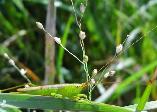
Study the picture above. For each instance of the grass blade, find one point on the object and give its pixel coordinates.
(46, 102)
(61, 50)
(146, 93)
(144, 98)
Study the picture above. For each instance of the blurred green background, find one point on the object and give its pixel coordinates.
(106, 23)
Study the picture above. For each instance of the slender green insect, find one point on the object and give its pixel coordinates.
(58, 90)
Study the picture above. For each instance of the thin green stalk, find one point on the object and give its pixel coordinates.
(85, 57)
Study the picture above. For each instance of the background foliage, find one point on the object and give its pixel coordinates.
(106, 22)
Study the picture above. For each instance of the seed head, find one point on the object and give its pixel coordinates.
(106, 75)
(34, 111)
(119, 48)
(82, 8)
(23, 72)
(85, 58)
(92, 81)
(95, 71)
(11, 62)
(110, 73)
(82, 35)
(6, 55)
(26, 86)
(39, 25)
(57, 40)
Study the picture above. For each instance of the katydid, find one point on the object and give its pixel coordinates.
(58, 90)
(72, 91)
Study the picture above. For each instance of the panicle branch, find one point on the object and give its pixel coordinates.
(20, 70)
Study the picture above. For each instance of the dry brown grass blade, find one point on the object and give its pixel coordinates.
(30, 73)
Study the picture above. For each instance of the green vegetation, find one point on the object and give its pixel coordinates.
(107, 24)
(28, 101)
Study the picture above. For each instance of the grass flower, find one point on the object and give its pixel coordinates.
(110, 73)
(82, 35)
(119, 48)
(39, 25)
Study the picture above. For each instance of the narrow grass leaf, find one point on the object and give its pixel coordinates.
(144, 98)
(146, 93)
(61, 50)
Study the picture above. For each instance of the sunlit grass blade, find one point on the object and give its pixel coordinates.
(146, 93)
(144, 98)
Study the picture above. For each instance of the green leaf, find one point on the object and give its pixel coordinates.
(46, 102)
(146, 93)
(6, 24)
(61, 50)
(144, 98)
(20, 5)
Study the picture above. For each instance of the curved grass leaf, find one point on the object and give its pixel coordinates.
(61, 50)
(46, 102)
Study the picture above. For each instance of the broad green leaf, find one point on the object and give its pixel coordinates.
(45, 102)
